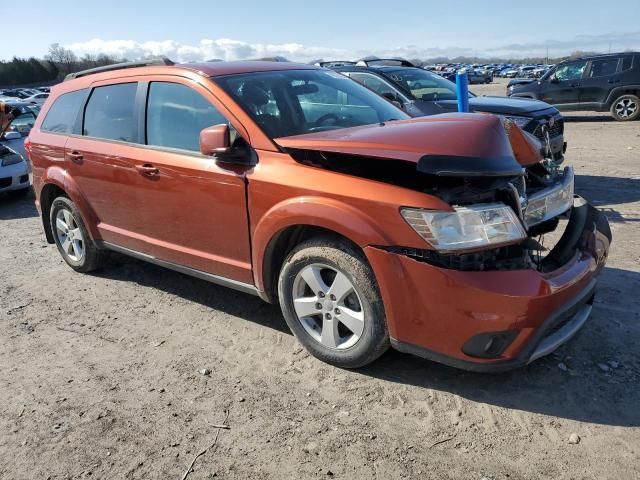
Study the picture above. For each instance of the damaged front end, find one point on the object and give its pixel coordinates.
(509, 202)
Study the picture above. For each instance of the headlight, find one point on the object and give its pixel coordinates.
(550, 202)
(467, 227)
(520, 121)
(11, 159)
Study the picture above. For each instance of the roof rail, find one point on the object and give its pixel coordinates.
(386, 61)
(334, 63)
(120, 66)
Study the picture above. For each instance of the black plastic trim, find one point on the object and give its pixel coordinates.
(458, 166)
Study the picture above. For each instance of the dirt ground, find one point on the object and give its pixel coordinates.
(100, 374)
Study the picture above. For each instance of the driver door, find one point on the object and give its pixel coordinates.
(194, 207)
(563, 86)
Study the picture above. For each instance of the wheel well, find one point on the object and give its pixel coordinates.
(49, 193)
(621, 92)
(279, 248)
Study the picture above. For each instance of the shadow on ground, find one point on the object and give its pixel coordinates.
(13, 207)
(603, 190)
(587, 396)
(592, 117)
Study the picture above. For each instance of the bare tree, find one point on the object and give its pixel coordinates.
(64, 58)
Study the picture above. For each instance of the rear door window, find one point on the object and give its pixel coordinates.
(110, 113)
(62, 116)
(626, 62)
(604, 67)
(176, 114)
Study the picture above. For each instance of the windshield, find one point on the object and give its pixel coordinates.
(423, 85)
(294, 102)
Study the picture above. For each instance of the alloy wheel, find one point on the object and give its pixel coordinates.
(328, 306)
(69, 235)
(626, 108)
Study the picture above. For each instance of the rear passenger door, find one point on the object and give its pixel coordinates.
(103, 161)
(599, 80)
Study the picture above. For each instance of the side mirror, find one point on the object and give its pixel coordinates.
(215, 140)
(553, 79)
(12, 135)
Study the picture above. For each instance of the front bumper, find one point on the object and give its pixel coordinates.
(14, 177)
(439, 313)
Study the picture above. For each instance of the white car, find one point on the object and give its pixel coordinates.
(14, 169)
(38, 98)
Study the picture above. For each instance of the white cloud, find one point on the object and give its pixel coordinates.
(228, 49)
(206, 49)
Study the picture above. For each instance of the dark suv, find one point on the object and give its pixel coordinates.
(600, 83)
(420, 92)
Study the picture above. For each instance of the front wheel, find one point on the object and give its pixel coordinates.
(626, 108)
(330, 300)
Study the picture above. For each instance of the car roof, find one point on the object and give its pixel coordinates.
(216, 69)
(85, 79)
(601, 55)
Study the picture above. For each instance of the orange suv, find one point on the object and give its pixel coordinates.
(299, 185)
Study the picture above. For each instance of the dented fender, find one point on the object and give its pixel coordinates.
(326, 213)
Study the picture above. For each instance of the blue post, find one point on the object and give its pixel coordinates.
(462, 91)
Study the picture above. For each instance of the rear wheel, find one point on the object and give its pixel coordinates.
(331, 303)
(72, 238)
(626, 108)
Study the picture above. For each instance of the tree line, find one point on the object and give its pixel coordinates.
(58, 63)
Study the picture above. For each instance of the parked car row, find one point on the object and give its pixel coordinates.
(14, 169)
(420, 92)
(36, 96)
(601, 83)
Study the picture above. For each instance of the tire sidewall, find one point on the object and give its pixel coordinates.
(63, 203)
(375, 332)
(635, 116)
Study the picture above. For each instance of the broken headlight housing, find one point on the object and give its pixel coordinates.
(466, 228)
(550, 202)
(518, 120)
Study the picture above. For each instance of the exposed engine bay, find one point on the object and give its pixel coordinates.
(519, 190)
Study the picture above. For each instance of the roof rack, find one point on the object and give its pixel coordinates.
(386, 61)
(334, 63)
(119, 66)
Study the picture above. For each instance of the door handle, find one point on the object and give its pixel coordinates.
(147, 170)
(617, 80)
(75, 157)
(574, 85)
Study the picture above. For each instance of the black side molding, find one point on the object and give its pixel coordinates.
(457, 166)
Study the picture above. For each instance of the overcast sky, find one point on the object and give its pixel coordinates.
(301, 30)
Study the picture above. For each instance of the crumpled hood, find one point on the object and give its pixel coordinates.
(448, 144)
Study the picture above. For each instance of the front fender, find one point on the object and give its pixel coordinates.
(326, 213)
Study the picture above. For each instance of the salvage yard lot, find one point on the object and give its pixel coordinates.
(100, 375)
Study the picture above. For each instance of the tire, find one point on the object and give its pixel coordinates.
(626, 108)
(80, 252)
(349, 330)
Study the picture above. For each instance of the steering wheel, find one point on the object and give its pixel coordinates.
(335, 122)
